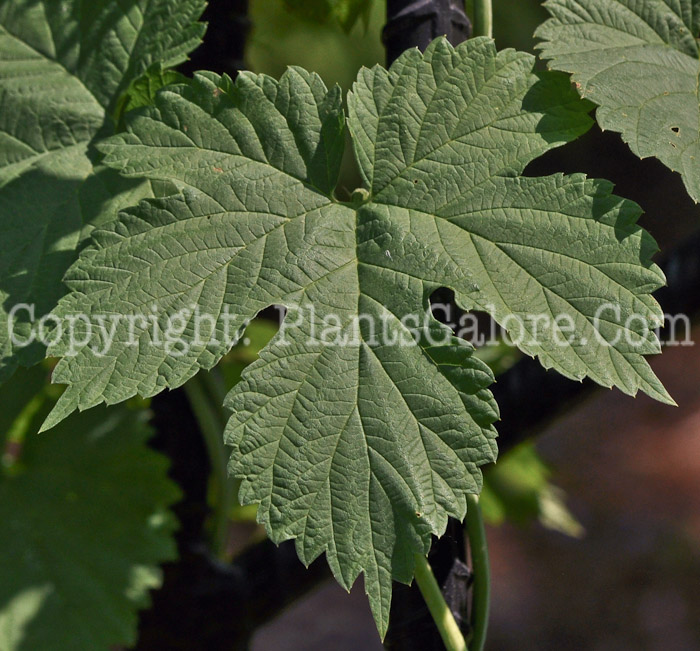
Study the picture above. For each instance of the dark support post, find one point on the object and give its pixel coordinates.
(415, 23)
(223, 48)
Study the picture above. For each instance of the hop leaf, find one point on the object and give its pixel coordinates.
(362, 450)
(85, 524)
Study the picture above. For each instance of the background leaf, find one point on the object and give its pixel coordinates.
(638, 61)
(63, 69)
(345, 12)
(85, 523)
(517, 489)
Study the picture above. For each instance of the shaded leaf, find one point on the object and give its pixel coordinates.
(85, 524)
(142, 91)
(62, 69)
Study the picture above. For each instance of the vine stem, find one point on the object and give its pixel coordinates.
(481, 588)
(16, 435)
(204, 401)
(483, 18)
(440, 611)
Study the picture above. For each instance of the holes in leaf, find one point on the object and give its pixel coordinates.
(254, 336)
(478, 328)
(676, 129)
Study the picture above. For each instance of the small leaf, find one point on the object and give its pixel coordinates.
(518, 489)
(142, 91)
(638, 61)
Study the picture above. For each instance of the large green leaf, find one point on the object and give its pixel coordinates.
(63, 67)
(638, 60)
(84, 524)
(361, 450)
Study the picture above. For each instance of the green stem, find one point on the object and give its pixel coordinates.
(481, 589)
(16, 435)
(214, 384)
(483, 18)
(442, 615)
(211, 424)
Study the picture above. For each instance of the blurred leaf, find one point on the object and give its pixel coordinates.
(517, 490)
(84, 523)
(344, 12)
(257, 335)
(555, 514)
(280, 38)
(498, 356)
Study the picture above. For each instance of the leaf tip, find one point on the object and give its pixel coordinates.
(62, 409)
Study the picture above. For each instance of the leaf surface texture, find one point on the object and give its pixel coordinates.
(363, 450)
(63, 67)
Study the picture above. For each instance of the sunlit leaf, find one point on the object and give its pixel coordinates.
(362, 450)
(638, 61)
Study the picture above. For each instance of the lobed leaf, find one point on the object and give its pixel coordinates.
(445, 137)
(360, 447)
